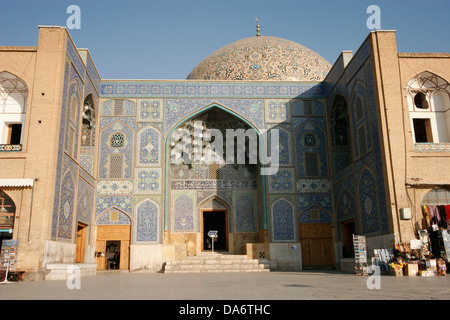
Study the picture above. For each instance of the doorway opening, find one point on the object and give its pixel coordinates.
(113, 254)
(81, 242)
(113, 247)
(215, 220)
(348, 230)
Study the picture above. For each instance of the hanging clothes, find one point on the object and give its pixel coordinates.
(434, 214)
(442, 217)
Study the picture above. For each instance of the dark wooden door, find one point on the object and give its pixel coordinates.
(317, 245)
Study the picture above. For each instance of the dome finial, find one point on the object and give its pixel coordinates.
(257, 27)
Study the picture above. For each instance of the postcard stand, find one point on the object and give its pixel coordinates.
(8, 258)
(359, 245)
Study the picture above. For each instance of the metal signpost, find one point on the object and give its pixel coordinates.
(212, 234)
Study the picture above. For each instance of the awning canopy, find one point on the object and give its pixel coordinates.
(16, 182)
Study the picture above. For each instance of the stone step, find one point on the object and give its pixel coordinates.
(217, 263)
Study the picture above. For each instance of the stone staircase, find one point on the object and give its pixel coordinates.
(217, 262)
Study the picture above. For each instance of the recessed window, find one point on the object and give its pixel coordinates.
(307, 108)
(118, 107)
(214, 170)
(13, 96)
(422, 130)
(88, 128)
(359, 109)
(428, 97)
(71, 141)
(420, 101)
(14, 133)
(116, 166)
(312, 164)
(73, 109)
(117, 140)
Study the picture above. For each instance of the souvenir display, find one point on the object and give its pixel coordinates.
(359, 245)
(8, 255)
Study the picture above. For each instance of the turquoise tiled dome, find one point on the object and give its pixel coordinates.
(262, 58)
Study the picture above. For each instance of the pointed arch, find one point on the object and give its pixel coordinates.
(13, 107)
(148, 146)
(340, 137)
(283, 221)
(116, 162)
(7, 211)
(191, 116)
(84, 208)
(147, 222)
(89, 121)
(214, 197)
(345, 205)
(206, 108)
(311, 159)
(320, 215)
(113, 216)
(428, 98)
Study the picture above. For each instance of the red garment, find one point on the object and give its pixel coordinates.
(447, 212)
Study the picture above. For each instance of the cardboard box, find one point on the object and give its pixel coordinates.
(411, 269)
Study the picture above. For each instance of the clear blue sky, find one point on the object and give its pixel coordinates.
(166, 39)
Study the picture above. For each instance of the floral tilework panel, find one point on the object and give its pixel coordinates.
(147, 216)
(346, 206)
(313, 185)
(66, 207)
(277, 110)
(87, 163)
(148, 146)
(368, 202)
(114, 187)
(183, 213)
(150, 110)
(282, 182)
(148, 181)
(283, 221)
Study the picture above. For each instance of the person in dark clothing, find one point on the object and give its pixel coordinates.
(116, 260)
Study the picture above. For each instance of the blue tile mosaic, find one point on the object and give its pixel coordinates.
(147, 221)
(66, 206)
(245, 213)
(283, 221)
(183, 214)
(207, 89)
(148, 146)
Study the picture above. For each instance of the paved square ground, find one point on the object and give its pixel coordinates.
(306, 285)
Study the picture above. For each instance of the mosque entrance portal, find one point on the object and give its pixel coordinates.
(215, 220)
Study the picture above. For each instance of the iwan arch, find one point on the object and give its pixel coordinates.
(85, 167)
